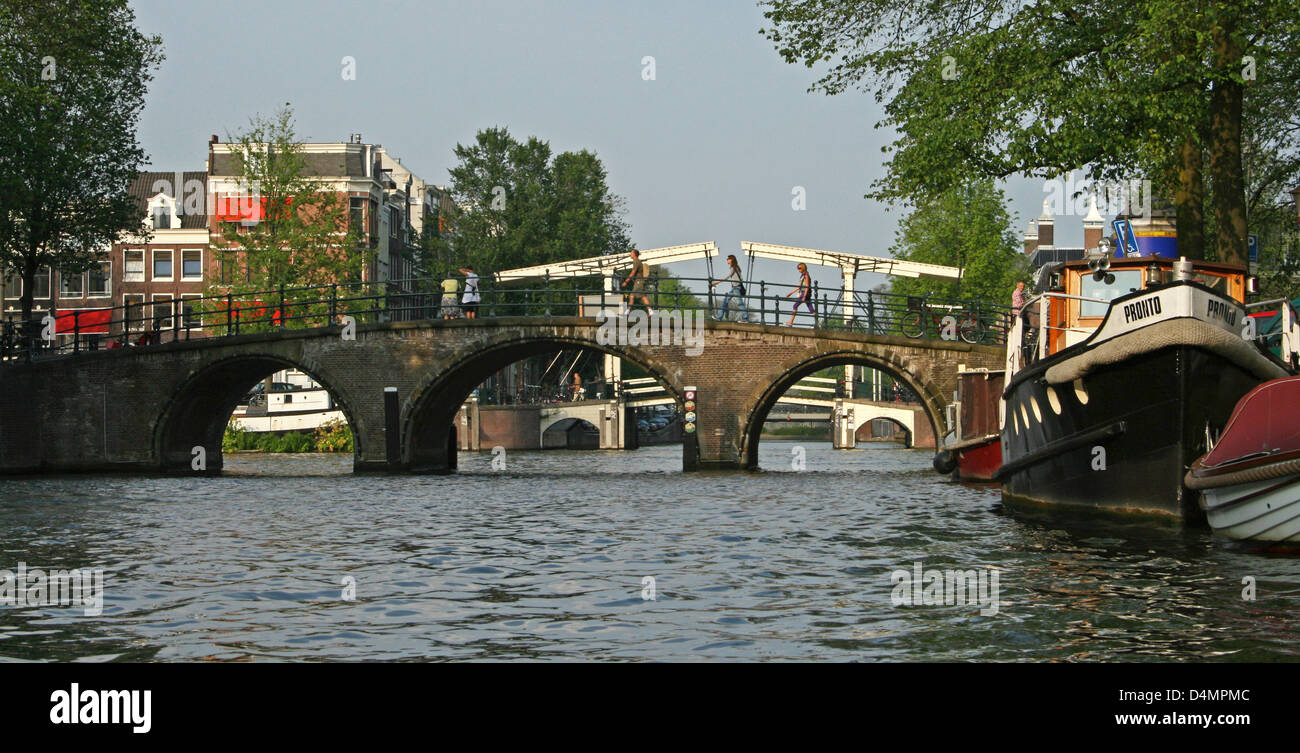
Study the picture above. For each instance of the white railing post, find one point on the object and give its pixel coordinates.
(1015, 340)
(1290, 334)
(1044, 307)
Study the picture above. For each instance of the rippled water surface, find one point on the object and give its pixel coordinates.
(546, 560)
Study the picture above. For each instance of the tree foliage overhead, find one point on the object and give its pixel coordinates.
(73, 76)
(968, 227)
(1163, 89)
(297, 231)
(521, 206)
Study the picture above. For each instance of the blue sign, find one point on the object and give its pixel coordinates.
(1252, 248)
(1127, 241)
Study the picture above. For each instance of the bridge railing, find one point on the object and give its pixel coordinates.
(141, 323)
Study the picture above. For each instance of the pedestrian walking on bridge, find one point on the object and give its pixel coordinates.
(803, 294)
(637, 280)
(735, 299)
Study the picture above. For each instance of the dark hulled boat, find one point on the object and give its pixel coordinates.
(1116, 378)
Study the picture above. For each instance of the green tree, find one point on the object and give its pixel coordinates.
(997, 87)
(73, 76)
(670, 293)
(296, 232)
(968, 227)
(521, 206)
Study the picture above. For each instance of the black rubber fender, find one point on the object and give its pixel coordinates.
(945, 461)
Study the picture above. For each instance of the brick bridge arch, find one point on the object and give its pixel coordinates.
(146, 408)
(760, 402)
(428, 446)
(197, 413)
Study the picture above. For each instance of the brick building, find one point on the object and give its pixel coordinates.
(1040, 240)
(387, 203)
(154, 273)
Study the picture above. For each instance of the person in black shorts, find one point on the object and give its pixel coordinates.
(637, 280)
(469, 301)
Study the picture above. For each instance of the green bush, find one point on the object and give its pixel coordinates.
(332, 436)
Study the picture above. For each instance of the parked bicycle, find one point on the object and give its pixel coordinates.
(922, 315)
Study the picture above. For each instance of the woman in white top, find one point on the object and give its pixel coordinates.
(469, 301)
(736, 294)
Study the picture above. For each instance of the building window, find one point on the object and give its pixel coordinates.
(162, 216)
(356, 216)
(42, 283)
(192, 264)
(14, 286)
(97, 280)
(225, 263)
(133, 312)
(162, 264)
(71, 284)
(163, 310)
(190, 311)
(134, 270)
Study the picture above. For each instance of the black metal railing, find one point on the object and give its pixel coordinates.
(138, 324)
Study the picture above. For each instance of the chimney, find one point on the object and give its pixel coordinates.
(1046, 228)
(1093, 225)
(1031, 239)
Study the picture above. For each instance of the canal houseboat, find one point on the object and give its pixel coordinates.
(295, 403)
(1118, 377)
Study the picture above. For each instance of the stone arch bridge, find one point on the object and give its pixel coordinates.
(400, 384)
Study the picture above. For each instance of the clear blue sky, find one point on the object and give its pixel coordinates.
(709, 150)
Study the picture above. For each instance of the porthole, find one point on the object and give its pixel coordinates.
(1053, 400)
(1033, 404)
(1080, 392)
(1024, 415)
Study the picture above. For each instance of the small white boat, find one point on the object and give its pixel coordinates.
(1249, 481)
(295, 403)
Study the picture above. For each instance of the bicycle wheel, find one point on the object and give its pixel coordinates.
(912, 324)
(970, 330)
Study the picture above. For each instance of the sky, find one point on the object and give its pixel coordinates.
(712, 148)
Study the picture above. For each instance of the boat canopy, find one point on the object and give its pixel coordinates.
(1264, 425)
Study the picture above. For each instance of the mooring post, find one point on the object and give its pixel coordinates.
(392, 431)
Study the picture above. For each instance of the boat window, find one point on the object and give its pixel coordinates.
(1213, 282)
(1126, 281)
(1053, 400)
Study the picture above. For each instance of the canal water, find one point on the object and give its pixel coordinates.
(291, 557)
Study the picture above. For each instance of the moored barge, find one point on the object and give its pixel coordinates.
(1118, 376)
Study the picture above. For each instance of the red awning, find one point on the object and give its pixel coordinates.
(84, 321)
